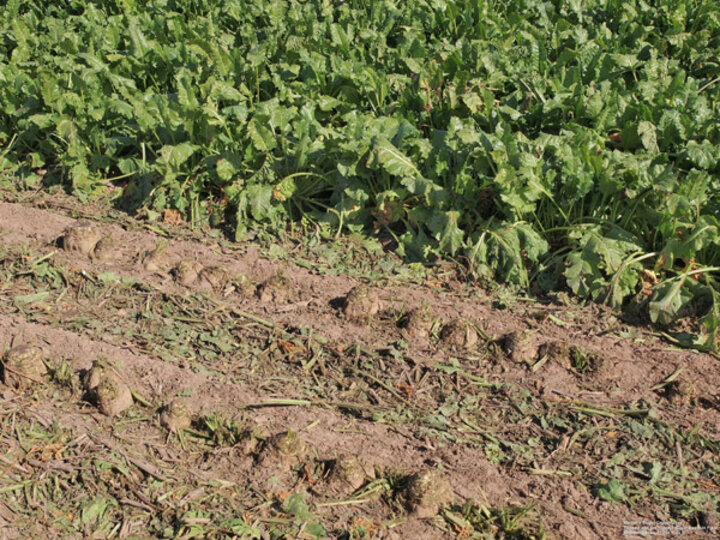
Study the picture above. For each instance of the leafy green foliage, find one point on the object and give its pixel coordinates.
(576, 142)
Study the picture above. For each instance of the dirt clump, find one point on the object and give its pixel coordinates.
(459, 333)
(176, 416)
(360, 305)
(427, 492)
(278, 289)
(82, 237)
(106, 249)
(520, 346)
(349, 473)
(106, 388)
(283, 450)
(187, 272)
(24, 365)
(418, 323)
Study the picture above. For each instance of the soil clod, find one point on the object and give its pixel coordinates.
(24, 366)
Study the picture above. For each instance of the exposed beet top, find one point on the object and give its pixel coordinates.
(459, 333)
(82, 237)
(187, 272)
(104, 383)
(418, 323)
(284, 450)
(24, 366)
(521, 346)
(278, 289)
(158, 260)
(427, 492)
(361, 304)
(176, 416)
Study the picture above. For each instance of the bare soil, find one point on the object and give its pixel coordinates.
(535, 420)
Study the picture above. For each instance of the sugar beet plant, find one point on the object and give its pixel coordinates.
(549, 143)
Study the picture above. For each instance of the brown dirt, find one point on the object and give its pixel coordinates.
(626, 370)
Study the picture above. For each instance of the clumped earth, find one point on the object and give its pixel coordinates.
(147, 394)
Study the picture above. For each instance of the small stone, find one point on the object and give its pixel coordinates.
(23, 366)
